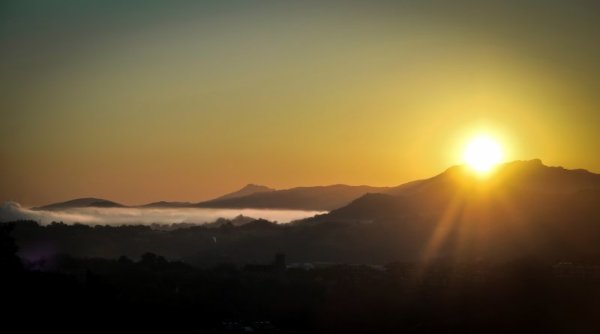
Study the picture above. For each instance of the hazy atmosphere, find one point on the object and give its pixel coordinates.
(140, 101)
(300, 167)
(10, 211)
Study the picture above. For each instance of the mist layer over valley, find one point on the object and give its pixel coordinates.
(11, 211)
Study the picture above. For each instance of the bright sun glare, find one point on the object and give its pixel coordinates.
(482, 154)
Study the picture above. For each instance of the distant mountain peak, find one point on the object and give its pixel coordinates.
(532, 162)
(516, 165)
(537, 164)
(256, 187)
(525, 185)
(318, 198)
(81, 203)
(248, 189)
(166, 204)
(523, 163)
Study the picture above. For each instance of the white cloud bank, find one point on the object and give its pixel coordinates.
(11, 211)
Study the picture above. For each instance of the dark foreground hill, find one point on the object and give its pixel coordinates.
(151, 294)
(517, 252)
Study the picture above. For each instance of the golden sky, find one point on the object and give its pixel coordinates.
(139, 101)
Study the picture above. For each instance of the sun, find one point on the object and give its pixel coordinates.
(482, 154)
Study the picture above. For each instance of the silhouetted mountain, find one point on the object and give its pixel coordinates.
(249, 189)
(530, 179)
(368, 208)
(463, 254)
(523, 206)
(406, 187)
(523, 209)
(529, 175)
(164, 204)
(81, 203)
(95, 202)
(251, 196)
(302, 198)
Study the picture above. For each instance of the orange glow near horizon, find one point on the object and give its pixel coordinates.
(186, 101)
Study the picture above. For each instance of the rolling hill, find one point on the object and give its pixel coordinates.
(81, 203)
(323, 198)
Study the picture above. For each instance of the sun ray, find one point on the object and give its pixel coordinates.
(446, 223)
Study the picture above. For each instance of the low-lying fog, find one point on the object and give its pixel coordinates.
(11, 211)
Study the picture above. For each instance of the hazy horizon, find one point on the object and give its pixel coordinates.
(11, 211)
(161, 199)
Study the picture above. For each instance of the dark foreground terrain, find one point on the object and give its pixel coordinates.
(152, 294)
(518, 252)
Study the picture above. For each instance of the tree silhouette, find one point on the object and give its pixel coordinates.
(9, 261)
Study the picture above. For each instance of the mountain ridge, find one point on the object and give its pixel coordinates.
(539, 177)
(529, 181)
(248, 189)
(320, 198)
(81, 203)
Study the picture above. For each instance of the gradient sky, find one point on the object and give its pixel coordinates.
(138, 101)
